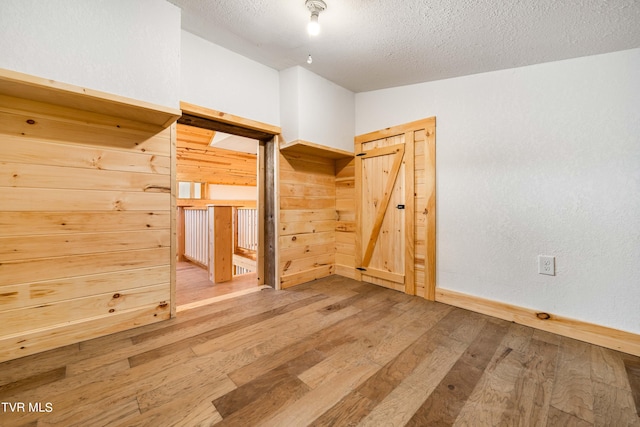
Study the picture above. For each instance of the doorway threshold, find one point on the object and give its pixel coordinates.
(208, 301)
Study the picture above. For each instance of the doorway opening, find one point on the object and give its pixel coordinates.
(221, 181)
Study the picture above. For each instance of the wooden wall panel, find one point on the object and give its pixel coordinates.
(77, 309)
(47, 222)
(42, 152)
(299, 265)
(37, 340)
(45, 125)
(306, 235)
(16, 199)
(20, 175)
(346, 217)
(50, 291)
(303, 251)
(85, 225)
(29, 247)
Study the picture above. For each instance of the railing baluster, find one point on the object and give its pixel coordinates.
(247, 229)
(196, 235)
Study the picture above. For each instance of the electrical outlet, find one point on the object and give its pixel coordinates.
(547, 265)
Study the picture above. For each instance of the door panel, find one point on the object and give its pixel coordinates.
(395, 181)
(383, 178)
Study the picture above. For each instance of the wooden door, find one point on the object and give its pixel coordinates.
(395, 186)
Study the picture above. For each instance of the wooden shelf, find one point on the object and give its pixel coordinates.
(33, 88)
(305, 147)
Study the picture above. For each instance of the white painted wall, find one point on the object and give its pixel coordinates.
(128, 48)
(217, 78)
(316, 110)
(290, 103)
(536, 160)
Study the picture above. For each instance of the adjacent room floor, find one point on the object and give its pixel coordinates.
(331, 352)
(192, 284)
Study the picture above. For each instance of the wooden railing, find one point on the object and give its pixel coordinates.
(246, 230)
(197, 245)
(196, 236)
(245, 240)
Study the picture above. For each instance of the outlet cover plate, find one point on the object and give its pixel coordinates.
(547, 265)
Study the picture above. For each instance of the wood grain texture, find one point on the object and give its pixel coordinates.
(316, 150)
(448, 398)
(395, 130)
(430, 211)
(49, 91)
(632, 367)
(329, 352)
(595, 334)
(572, 390)
(85, 216)
(345, 218)
(307, 204)
(417, 189)
(193, 284)
(221, 243)
(229, 119)
(196, 161)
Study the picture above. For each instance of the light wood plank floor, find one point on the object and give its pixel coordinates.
(192, 284)
(333, 352)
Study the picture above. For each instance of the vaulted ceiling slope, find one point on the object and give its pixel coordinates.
(373, 44)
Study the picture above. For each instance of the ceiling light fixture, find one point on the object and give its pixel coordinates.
(315, 7)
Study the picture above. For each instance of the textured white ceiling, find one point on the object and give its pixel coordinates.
(373, 44)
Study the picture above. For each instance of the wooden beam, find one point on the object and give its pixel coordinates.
(271, 202)
(217, 126)
(232, 123)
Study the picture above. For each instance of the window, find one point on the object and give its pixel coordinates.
(190, 190)
(197, 190)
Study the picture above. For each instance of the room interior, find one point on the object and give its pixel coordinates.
(448, 199)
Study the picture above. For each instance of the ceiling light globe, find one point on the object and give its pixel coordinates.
(313, 28)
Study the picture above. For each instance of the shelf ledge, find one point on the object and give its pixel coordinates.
(310, 148)
(19, 85)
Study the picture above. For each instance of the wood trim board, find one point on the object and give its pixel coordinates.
(396, 130)
(174, 222)
(430, 237)
(615, 339)
(409, 200)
